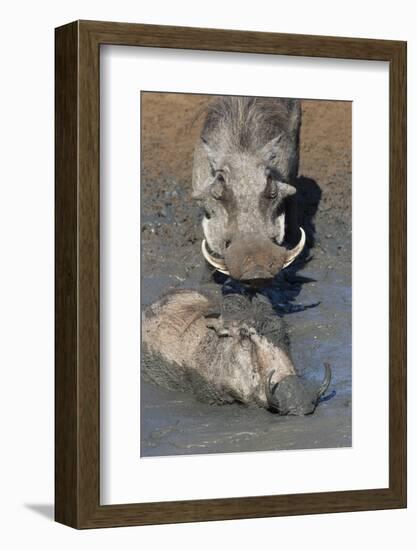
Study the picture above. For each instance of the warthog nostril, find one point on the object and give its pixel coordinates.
(227, 243)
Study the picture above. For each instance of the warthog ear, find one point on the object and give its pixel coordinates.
(269, 151)
(212, 154)
(203, 174)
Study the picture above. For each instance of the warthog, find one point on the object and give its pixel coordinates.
(232, 349)
(244, 165)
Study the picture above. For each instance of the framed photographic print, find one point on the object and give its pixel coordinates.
(230, 274)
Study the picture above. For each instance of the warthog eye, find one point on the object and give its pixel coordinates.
(207, 214)
(220, 177)
(271, 188)
(217, 189)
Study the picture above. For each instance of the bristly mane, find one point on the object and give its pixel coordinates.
(248, 123)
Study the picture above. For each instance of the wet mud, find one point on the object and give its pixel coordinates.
(174, 423)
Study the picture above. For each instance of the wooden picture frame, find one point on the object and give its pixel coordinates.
(77, 382)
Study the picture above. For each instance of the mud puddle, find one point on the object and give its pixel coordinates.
(175, 423)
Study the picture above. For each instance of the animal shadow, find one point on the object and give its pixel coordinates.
(288, 283)
(308, 199)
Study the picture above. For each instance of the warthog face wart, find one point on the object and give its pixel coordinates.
(243, 166)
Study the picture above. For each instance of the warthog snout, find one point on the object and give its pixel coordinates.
(253, 257)
(291, 397)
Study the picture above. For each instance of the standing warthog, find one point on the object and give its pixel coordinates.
(224, 350)
(244, 165)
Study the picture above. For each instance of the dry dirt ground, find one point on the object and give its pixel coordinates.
(173, 423)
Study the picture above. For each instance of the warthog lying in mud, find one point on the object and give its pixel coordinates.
(224, 350)
(244, 166)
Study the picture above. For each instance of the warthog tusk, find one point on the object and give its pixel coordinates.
(326, 381)
(293, 253)
(215, 262)
(269, 391)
